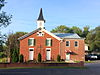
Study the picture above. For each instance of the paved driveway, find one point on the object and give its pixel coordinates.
(92, 69)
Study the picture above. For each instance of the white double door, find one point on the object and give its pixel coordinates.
(31, 53)
(48, 54)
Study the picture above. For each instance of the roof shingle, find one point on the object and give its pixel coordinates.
(67, 35)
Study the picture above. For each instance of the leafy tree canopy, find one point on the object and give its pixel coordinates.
(62, 29)
(93, 39)
(5, 20)
(74, 29)
(13, 42)
(85, 31)
(77, 30)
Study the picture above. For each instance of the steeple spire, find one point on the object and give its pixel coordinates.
(40, 20)
(41, 16)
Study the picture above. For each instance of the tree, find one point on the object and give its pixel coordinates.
(39, 57)
(77, 30)
(15, 56)
(93, 39)
(85, 31)
(58, 58)
(13, 42)
(62, 29)
(21, 58)
(5, 20)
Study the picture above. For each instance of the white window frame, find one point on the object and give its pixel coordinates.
(69, 43)
(48, 48)
(32, 42)
(49, 41)
(31, 48)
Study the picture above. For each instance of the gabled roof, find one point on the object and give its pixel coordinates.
(67, 35)
(58, 38)
(41, 15)
(26, 35)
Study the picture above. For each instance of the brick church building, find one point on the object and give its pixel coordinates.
(69, 46)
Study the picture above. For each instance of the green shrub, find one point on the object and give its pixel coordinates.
(21, 58)
(39, 57)
(58, 58)
(2, 55)
(3, 60)
(15, 56)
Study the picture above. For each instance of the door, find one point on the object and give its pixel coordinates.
(31, 54)
(48, 53)
(67, 56)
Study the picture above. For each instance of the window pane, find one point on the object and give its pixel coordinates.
(48, 42)
(67, 43)
(76, 43)
(31, 49)
(31, 42)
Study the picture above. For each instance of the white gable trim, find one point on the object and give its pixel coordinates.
(51, 34)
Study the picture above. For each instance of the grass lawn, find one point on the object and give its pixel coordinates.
(61, 62)
(89, 61)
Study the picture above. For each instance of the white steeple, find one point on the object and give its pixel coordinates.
(40, 20)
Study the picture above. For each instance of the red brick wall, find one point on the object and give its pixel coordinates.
(10, 65)
(78, 52)
(56, 48)
(24, 48)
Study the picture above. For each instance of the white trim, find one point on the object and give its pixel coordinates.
(32, 48)
(48, 38)
(52, 34)
(46, 52)
(73, 38)
(48, 48)
(31, 38)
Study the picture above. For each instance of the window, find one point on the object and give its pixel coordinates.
(48, 42)
(31, 49)
(40, 24)
(67, 43)
(40, 33)
(76, 43)
(31, 41)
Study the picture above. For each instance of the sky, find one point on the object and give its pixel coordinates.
(78, 13)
